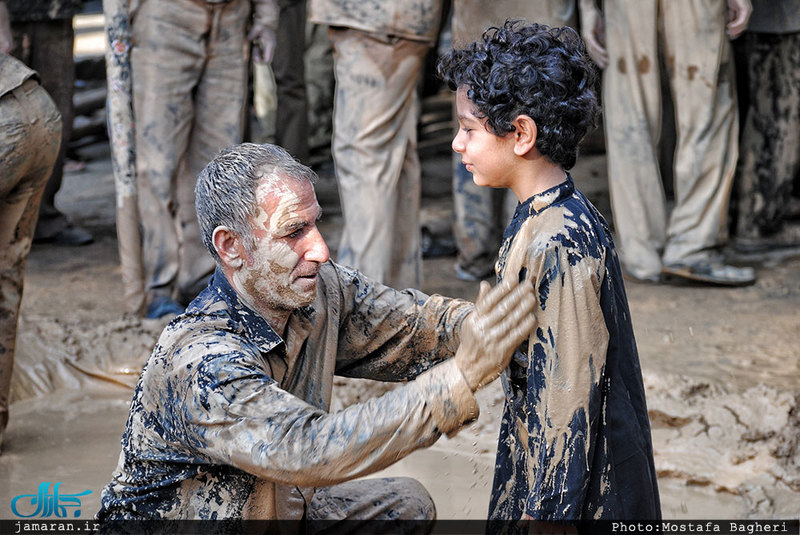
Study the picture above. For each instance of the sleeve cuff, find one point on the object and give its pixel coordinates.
(452, 403)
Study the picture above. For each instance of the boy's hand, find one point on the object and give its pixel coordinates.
(502, 319)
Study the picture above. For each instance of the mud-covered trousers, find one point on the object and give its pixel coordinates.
(702, 84)
(375, 154)
(769, 161)
(291, 115)
(189, 65)
(46, 47)
(402, 500)
(30, 137)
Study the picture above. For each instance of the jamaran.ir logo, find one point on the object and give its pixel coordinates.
(46, 503)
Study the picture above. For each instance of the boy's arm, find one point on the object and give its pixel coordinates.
(567, 357)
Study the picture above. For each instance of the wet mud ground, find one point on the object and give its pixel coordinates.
(720, 365)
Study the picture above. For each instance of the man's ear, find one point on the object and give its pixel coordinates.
(229, 247)
(524, 134)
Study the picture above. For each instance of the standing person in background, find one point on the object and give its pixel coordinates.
(768, 179)
(30, 136)
(189, 67)
(379, 52)
(43, 39)
(291, 114)
(631, 40)
(481, 214)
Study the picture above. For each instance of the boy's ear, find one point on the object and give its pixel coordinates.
(524, 134)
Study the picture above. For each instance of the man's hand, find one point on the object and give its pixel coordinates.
(263, 39)
(593, 32)
(502, 319)
(739, 12)
(6, 39)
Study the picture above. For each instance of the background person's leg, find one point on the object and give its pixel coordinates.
(219, 112)
(375, 155)
(632, 120)
(30, 134)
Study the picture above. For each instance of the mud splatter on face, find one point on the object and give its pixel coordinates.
(280, 268)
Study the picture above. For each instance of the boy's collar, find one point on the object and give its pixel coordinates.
(538, 202)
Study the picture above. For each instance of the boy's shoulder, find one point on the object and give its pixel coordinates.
(566, 232)
(566, 219)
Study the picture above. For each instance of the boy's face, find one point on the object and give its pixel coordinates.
(489, 157)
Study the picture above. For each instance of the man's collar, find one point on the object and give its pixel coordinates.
(258, 330)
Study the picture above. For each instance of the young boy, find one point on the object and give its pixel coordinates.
(575, 437)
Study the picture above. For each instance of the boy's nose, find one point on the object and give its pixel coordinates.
(458, 145)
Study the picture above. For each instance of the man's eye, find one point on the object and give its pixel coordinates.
(295, 234)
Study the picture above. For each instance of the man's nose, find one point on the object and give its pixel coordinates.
(317, 250)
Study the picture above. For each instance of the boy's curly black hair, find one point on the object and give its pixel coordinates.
(529, 69)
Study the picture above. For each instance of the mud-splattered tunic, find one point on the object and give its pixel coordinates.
(575, 437)
(229, 420)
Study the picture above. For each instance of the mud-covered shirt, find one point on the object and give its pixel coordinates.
(229, 420)
(575, 437)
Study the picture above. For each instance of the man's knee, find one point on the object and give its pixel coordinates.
(417, 501)
(394, 498)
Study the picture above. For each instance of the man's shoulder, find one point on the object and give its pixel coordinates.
(339, 278)
(190, 338)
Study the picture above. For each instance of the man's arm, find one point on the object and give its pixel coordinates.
(570, 354)
(390, 335)
(234, 413)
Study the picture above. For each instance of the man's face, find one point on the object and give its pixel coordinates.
(280, 271)
(487, 156)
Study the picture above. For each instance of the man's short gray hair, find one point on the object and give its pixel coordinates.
(225, 193)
